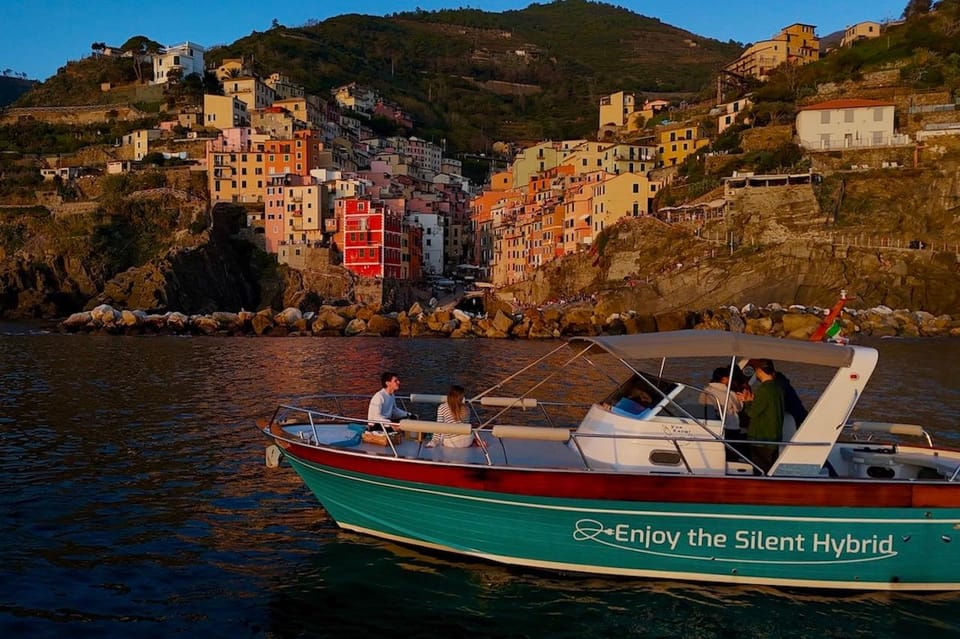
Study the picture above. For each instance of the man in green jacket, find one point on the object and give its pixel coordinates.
(766, 418)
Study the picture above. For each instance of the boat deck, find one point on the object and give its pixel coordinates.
(524, 453)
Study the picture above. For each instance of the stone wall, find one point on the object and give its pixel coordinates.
(873, 158)
(73, 114)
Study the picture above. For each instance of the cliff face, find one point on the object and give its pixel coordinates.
(776, 244)
(796, 244)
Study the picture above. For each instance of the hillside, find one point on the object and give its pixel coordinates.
(468, 76)
(474, 77)
(12, 88)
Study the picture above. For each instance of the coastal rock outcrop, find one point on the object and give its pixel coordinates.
(796, 322)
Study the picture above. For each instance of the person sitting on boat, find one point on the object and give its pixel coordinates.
(766, 417)
(630, 400)
(452, 411)
(383, 405)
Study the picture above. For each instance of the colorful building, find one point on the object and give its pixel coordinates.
(676, 142)
(372, 239)
(797, 44)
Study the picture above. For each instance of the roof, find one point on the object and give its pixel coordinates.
(850, 103)
(696, 343)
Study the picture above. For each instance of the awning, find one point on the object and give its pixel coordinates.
(693, 343)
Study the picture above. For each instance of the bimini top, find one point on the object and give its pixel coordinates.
(678, 344)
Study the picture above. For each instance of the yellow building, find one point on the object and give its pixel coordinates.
(675, 143)
(136, 144)
(620, 196)
(235, 168)
(540, 158)
(302, 109)
(860, 31)
(251, 90)
(232, 68)
(797, 44)
(616, 108)
(224, 112)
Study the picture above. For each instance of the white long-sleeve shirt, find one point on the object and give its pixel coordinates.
(383, 408)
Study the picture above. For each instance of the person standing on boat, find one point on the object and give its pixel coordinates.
(453, 411)
(383, 405)
(792, 404)
(766, 417)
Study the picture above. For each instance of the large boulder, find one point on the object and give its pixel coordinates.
(383, 326)
(800, 325)
(262, 323)
(577, 320)
(356, 326)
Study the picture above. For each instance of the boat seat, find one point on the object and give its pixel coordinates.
(944, 466)
(626, 407)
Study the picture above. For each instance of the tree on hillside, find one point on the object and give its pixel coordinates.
(141, 46)
(916, 8)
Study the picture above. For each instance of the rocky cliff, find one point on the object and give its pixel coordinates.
(777, 245)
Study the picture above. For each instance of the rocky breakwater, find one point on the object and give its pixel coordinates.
(502, 322)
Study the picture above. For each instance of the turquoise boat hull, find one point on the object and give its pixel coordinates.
(827, 547)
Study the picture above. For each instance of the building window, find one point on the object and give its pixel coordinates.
(878, 115)
(848, 116)
(824, 117)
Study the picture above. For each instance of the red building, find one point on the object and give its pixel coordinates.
(372, 237)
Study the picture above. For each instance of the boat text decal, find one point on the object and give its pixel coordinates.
(741, 545)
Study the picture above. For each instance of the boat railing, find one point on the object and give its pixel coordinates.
(312, 418)
(866, 431)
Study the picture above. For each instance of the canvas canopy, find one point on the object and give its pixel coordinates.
(679, 344)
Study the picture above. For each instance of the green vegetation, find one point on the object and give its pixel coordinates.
(437, 65)
(12, 88)
(43, 138)
(925, 48)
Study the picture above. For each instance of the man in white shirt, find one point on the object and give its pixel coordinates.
(383, 405)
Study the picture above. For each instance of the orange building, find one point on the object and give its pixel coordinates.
(297, 156)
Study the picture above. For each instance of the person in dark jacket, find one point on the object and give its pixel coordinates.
(792, 404)
(766, 418)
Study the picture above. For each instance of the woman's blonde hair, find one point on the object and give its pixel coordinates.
(455, 401)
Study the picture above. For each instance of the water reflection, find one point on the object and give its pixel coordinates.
(136, 500)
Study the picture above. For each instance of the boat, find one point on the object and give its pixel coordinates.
(640, 480)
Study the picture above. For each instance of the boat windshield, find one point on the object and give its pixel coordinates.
(638, 394)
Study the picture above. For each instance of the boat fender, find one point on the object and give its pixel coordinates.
(273, 456)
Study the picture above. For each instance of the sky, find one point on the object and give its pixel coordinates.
(38, 36)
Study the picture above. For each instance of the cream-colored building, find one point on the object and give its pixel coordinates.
(186, 58)
(233, 68)
(305, 109)
(276, 122)
(539, 158)
(860, 31)
(137, 143)
(224, 112)
(730, 112)
(252, 90)
(355, 97)
(283, 87)
(848, 123)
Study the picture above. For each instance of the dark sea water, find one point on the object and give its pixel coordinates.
(136, 502)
